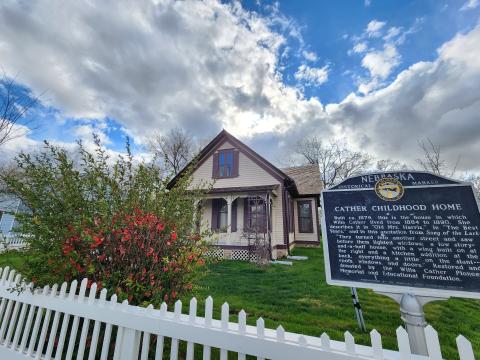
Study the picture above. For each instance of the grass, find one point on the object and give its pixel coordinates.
(298, 298)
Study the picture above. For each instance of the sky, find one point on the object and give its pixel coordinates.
(380, 75)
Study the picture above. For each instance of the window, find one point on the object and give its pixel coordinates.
(223, 218)
(219, 215)
(225, 164)
(305, 220)
(256, 215)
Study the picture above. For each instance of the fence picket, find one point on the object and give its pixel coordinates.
(4, 300)
(433, 344)
(146, 338)
(120, 333)
(242, 326)
(208, 323)
(26, 330)
(377, 349)
(174, 347)
(192, 318)
(160, 338)
(56, 319)
(325, 341)
(86, 324)
(66, 320)
(465, 350)
(18, 330)
(13, 321)
(8, 311)
(76, 320)
(108, 331)
(96, 327)
(260, 332)
(46, 323)
(224, 318)
(349, 343)
(403, 344)
(36, 326)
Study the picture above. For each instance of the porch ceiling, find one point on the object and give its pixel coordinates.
(245, 190)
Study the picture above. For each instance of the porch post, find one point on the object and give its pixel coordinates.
(229, 214)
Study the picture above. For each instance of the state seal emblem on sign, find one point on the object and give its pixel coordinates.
(389, 189)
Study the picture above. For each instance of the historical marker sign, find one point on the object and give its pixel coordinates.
(403, 232)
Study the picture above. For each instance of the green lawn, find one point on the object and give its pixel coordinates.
(298, 298)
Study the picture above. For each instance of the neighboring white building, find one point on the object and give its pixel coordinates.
(9, 206)
(250, 195)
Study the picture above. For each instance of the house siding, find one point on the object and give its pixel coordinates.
(300, 237)
(249, 173)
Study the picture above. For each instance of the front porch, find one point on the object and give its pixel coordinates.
(240, 218)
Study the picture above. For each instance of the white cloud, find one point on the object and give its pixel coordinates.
(367, 3)
(207, 65)
(312, 75)
(360, 47)
(470, 4)
(309, 55)
(392, 33)
(381, 63)
(439, 100)
(199, 65)
(374, 28)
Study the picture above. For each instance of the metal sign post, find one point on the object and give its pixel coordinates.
(358, 310)
(412, 314)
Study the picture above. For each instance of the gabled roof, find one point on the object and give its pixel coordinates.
(254, 156)
(307, 179)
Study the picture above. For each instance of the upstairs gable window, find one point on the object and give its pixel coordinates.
(225, 164)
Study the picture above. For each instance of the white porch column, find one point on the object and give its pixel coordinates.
(229, 200)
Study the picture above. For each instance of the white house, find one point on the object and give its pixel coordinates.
(252, 198)
(9, 206)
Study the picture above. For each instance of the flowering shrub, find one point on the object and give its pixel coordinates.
(113, 221)
(138, 255)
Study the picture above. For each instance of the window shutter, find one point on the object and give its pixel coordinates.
(245, 214)
(235, 163)
(215, 209)
(234, 216)
(215, 166)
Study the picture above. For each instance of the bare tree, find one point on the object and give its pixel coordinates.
(335, 160)
(390, 165)
(14, 104)
(432, 159)
(474, 179)
(175, 149)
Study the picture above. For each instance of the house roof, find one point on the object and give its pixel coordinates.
(254, 156)
(307, 179)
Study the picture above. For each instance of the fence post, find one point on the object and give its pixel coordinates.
(129, 344)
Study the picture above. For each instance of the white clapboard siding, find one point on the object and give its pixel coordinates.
(82, 324)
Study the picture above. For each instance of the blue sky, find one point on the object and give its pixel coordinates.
(329, 29)
(382, 75)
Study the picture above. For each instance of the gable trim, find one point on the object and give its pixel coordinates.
(223, 136)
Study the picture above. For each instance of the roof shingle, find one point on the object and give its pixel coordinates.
(307, 179)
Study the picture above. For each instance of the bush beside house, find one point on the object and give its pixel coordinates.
(111, 220)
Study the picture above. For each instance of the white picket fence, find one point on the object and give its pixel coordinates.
(12, 242)
(59, 323)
